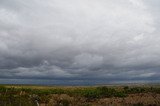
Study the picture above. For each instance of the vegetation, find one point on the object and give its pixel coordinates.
(27, 96)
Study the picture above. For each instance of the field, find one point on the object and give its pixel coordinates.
(132, 95)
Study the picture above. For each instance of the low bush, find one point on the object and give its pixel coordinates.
(28, 96)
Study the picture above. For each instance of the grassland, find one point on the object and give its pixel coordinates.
(21, 95)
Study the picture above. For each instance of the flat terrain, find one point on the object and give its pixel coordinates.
(122, 95)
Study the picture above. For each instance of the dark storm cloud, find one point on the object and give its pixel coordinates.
(79, 39)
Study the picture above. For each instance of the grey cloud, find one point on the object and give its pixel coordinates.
(79, 39)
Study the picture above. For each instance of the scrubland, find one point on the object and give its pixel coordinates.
(20, 95)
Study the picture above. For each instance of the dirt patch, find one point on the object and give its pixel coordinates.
(142, 99)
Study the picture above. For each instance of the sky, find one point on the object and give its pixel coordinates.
(79, 41)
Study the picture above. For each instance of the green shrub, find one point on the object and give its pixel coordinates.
(90, 93)
(120, 94)
(2, 89)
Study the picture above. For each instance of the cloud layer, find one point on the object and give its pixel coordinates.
(79, 39)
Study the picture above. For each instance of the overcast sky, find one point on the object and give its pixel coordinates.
(80, 40)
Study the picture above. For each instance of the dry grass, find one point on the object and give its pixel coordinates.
(29, 95)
